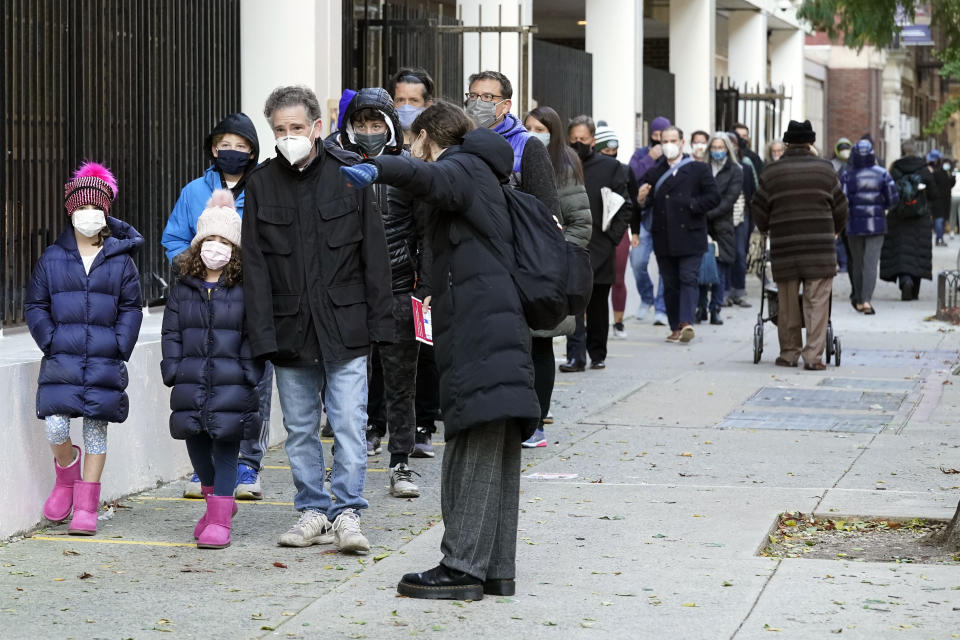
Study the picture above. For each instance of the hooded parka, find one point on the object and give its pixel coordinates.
(870, 191)
(908, 245)
(86, 325)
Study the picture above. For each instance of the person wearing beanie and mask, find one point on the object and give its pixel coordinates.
(83, 308)
(233, 147)
(939, 198)
(372, 129)
(680, 191)
(803, 229)
(841, 155)
(411, 89)
(316, 288)
(608, 144)
(599, 171)
(207, 361)
(488, 104)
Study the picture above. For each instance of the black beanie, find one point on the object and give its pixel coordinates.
(800, 133)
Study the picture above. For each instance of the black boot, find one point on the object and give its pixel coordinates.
(715, 317)
(906, 288)
(701, 314)
(499, 587)
(572, 366)
(441, 583)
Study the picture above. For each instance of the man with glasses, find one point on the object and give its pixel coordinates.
(233, 148)
(488, 104)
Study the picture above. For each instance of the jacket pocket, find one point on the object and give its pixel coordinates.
(350, 310)
(286, 319)
(276, 224)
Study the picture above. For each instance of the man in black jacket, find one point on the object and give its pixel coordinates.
(371, 129)
(317, 293)
(683, 190)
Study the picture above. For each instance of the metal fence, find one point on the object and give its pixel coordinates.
(762, 110)
(135, 84)
(562, 79)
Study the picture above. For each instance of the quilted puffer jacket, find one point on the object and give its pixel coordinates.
(870, 191)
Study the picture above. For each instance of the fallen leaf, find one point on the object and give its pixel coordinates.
(85, 575)
(70, 552)
(279, 565)
(689, 604)
(686, 454)
(948, 471)
(611, 517)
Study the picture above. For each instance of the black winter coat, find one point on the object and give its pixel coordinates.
(481, 338)
(908, 245)
(720, 218)
(679, 207)
(316, 272)
(940, 203)
(600, 171)
(206, 359)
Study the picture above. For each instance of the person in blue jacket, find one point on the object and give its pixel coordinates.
(233, 147)
(83, 309)
(206, 359)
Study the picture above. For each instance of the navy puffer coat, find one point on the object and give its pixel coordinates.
(86, 325)
(870, 191)
(206, 359)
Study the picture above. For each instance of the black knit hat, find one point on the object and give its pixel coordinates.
(800, 133)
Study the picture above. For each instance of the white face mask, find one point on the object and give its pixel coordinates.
(88, 221)
(671, 150)
(543, 137)
(295, 148)
(215, 255)
(699, 149)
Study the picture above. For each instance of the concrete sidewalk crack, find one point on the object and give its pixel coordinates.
(756, 600)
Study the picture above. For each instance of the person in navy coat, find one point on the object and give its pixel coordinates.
(83, 308)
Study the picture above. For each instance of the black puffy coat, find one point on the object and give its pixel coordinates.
(908, 245)
(481, 337)
(680, 205)
(720, 218)
(600, 171)
(206, 359)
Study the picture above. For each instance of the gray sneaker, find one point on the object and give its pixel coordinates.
(312, 528)
(422, 447)
(373, 443)
(401, 482)
(347, 533)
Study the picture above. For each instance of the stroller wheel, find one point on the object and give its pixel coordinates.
(757, 342)
(836, 351)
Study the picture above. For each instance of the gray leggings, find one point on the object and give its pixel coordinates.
(94, 433)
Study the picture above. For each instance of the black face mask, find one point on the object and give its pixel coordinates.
(583, 150)
(654, 142)
(231, 161)
(371, 143)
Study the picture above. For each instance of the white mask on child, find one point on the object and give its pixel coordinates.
(88, 221)
(215, 255)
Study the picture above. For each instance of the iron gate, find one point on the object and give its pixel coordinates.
(762, 110)
(135, 84)
(562, 79)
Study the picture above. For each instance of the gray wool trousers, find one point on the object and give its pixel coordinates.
(480, 500)
(863, 265)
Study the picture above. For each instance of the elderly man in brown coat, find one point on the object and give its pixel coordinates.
(800, 203)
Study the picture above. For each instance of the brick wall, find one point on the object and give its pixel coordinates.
(854, 107)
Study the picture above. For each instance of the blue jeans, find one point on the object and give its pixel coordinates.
(251, 451)
(345, 399)
(716, 289)
(681, 275)
(639, 262)
(939, 225)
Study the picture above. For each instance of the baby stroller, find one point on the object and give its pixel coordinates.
(759, 263)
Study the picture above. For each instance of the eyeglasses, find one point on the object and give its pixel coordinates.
(485, 97)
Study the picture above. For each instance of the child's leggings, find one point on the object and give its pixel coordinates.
(94, 433)
(214, 462)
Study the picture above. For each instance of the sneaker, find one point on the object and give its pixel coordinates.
(347, 533)
(193, 488)
(373, 443)
(401, 482)
(674, 337)
(538, 439)
(642, 312)
(248, 484)
(326, 431)
(619, 331)
(743, 304)
(660, 319)
(422, 447)
(549, 418)
(312, 528)
(687, 333)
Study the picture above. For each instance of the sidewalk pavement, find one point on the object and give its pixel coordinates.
(674, 463)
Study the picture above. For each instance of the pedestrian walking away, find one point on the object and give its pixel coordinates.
(939, 199)
(207, 361)
(803, 231)
(83, 309)
(316, 289)
(870, 192)
(482, 346)
(232, 148)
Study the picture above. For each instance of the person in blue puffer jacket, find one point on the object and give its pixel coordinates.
(206, 359)
(83, 308)
(233, 148)
(871, 192)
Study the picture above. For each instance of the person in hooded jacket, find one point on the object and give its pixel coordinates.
(870, 192)
(482, 346)
(372, 128)
(207, 361)
(83, 308)
(940, 199)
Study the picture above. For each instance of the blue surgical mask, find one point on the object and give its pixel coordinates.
(408, 113)
(719, 156)
(542, 137)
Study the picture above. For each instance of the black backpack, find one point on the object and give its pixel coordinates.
(554, 278)
(913, 197)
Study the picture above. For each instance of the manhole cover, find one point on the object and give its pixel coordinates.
(800, 421)
(826, 399)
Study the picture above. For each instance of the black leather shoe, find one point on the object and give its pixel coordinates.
(598, 364)
(572, 366)
(715, 318)
(441, 583)
(499, 587)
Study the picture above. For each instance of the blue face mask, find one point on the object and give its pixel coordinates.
(408, 113)
(542, 137)
(718, 155)
(231, 161)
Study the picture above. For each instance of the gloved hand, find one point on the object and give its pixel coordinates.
(360, 175)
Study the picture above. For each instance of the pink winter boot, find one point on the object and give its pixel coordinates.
(216, 535)
(86, 503)
(207, 491)
(60, 503)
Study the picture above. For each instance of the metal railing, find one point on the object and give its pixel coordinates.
(135, 84)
